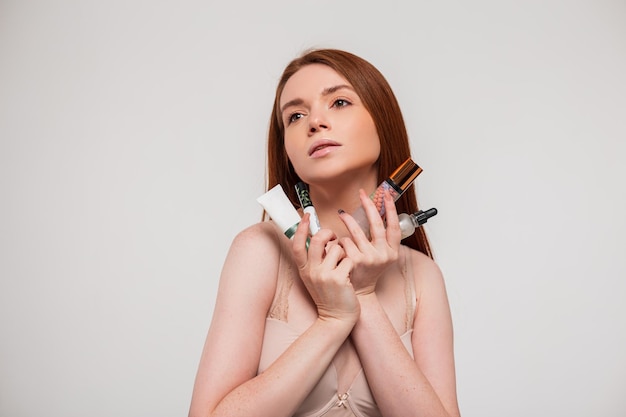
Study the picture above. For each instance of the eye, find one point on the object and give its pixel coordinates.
(341, 102)
(293, 118)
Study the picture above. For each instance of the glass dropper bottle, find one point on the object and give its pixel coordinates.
(410, 222)
(396, 185)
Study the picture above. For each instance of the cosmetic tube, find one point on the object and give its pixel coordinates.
(410, 222)
(396, 184)
(307, 206)
(277, 205)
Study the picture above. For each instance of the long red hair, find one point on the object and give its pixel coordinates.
(380, 102)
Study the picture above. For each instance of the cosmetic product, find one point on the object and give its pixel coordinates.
(410, 222)
(307, 206)
(396, 184)
(280, 209)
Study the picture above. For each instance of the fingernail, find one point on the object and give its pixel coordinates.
(341, 211)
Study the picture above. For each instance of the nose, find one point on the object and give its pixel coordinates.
(317, 122)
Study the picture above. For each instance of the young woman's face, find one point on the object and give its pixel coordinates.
(328, 131)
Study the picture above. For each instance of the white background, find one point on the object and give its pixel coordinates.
(132, 146)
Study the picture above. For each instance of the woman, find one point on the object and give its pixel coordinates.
(353, 326)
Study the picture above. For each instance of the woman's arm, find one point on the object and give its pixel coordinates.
(401, 385)
(226, 382)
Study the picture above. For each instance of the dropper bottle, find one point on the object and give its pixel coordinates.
(410, 222)
(396, 184)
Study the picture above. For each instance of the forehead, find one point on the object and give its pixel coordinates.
(311, 80)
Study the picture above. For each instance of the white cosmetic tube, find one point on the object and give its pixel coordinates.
(307, 207)
(280, 209)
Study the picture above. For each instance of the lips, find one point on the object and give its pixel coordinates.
(321, 146)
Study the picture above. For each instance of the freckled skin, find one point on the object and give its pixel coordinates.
(339, 116)
(347, 291)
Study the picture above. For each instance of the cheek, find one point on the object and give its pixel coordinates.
(288, 144)
(374, 148)
(291, 149)
(369, 135)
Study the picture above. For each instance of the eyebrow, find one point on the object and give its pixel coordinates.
(325, 92)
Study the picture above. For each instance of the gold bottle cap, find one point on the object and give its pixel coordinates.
(405, 174)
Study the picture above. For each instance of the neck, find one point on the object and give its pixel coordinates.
(328, 199)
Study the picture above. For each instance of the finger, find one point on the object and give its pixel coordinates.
(319, 242)
(350, 248)
(299, 242)
(333, 256)
(393, 231)
(377, 226)
(345, 267)
(330, 244)
(357, 234)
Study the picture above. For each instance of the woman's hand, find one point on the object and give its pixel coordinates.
(371, 257)
(325, 272)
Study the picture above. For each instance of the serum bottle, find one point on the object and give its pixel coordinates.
(410, 222)
(396, 184)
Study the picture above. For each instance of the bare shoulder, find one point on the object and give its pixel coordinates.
(433, 346)
(261, 235)
(247, 283)
(248, 276)
(426, 271)
(252, 262)
(430, 286)
(234, 342)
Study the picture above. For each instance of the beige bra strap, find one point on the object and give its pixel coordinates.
(279, 309)
(409, 286)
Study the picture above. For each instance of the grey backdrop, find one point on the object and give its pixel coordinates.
(132, 140)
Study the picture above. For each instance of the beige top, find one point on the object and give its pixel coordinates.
(325, 398)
